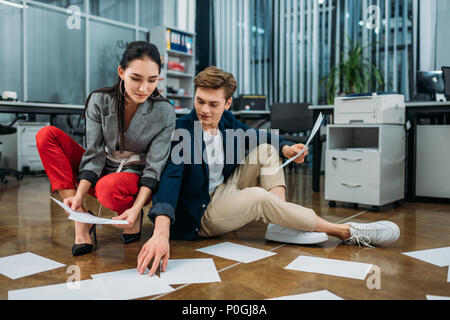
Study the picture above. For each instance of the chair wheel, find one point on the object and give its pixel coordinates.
(332, 204)
(20, 177)
(355, 205)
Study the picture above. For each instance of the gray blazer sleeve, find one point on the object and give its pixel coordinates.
(159, 150)
(93, 160)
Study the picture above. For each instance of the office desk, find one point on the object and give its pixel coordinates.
(51, 109)
(317, 146)
(414, 111)
(253, 118)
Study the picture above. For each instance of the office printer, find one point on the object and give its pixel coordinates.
(371, 108)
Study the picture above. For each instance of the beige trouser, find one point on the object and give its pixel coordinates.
(245, 197)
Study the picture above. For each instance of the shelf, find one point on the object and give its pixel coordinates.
(179, 53)
(179, 74)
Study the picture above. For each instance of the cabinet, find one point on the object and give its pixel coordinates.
(177, 49)
(365, 164)
(27, 153)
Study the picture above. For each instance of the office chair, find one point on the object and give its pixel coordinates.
(292, 119)
(77, 128)
(4, 130)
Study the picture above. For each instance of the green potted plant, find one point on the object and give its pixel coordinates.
(353, 74)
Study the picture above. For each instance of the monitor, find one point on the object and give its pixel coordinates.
(430, 82)
(250, 102)
(446, 74)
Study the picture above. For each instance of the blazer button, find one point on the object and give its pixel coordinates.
(196, 229)
(203, 206)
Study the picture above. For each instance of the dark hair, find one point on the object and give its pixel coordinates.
(135, 50)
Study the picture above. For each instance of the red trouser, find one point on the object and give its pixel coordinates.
(61, 157)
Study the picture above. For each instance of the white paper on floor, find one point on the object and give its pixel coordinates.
(236, 252)
(87, 217)
(339, 268)
(181, 271)
(82, 290)
(318, 295)
(439, 257)
(129, 284)
(437, 298)
(26, 264)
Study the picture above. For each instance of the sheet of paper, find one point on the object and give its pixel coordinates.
(311, 136)
(318, 295)
(439, 257)
(181, 271)
(82, 290)
(87, 217)
(437, 298)
(236, 252)
(339, 268)
(129, 284)
(120, 273)
(26, 264)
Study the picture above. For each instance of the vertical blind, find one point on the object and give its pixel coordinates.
(284, 48)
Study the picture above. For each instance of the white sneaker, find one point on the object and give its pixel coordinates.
(281, 234)
(377, 233)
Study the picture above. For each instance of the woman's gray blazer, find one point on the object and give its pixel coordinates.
(149, 133)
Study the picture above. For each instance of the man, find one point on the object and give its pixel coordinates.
(218, 191)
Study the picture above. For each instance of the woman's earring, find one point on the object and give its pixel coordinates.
(120, 88)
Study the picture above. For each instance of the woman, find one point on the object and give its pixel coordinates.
(128, 133)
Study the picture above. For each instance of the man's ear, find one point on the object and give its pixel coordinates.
(227, 107)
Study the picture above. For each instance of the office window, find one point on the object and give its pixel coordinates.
(11, 54)
(107, 44)
(150, 13)
(64, 3)
(306, 38)
(55, 58)
(143, 36)
(118, 10)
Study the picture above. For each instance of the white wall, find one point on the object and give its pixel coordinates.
(180, 14)
(443, 37)
(434, 34)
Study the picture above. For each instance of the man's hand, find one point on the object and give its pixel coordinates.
(157, 248)
(292, 151)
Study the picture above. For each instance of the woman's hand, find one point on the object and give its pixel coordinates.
(129, 215)
(292, 151)
(75, 203)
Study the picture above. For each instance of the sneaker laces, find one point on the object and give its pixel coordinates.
(363, 235)
(359, 240)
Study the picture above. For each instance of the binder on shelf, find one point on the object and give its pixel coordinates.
(178, 41)
(168, 40)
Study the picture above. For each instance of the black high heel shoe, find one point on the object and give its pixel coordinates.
(133, 237)
(84, 248)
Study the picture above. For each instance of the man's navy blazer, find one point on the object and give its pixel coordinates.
(183, 193)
